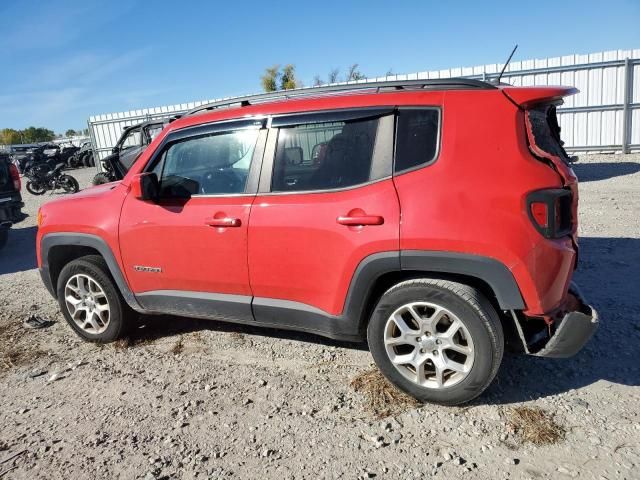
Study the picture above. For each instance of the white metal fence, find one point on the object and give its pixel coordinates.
(603, 117)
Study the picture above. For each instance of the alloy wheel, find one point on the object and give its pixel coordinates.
(428, 345)
(87, 304)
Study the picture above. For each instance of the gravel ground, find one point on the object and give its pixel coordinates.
(194, 399)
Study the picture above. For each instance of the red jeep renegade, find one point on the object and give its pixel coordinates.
(431, 217)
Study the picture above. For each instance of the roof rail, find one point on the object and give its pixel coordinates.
(433, 84)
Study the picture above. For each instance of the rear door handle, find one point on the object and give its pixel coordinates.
(359, 220)
(223, 222)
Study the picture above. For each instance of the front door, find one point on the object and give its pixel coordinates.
(187, 252)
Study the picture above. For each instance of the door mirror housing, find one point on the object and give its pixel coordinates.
(145, 186)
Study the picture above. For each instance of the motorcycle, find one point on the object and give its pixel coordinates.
(43, 178)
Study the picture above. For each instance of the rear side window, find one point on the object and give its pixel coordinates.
(324, 156)
(417, 133)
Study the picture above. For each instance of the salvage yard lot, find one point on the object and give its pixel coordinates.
(196, 399)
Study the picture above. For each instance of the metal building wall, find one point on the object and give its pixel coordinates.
(603, 117)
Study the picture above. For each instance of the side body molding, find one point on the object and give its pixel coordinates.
(283, 314)
(489, 270)
(85, 240)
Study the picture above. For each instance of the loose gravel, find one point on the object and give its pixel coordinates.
(192, 399)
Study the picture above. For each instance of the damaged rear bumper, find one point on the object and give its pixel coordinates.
(571, 332)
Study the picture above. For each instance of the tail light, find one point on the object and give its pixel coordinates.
(550, 211)
(15, 176)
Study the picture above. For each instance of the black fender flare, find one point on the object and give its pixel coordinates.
(489, 270)
(51, 240)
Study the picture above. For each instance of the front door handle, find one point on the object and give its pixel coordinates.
(359, 220)
(223, 222)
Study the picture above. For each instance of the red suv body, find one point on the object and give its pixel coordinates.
(310, 213)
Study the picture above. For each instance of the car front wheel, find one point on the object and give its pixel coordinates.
(91, 302)
(437, 340)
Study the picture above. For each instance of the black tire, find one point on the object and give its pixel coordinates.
(101, 178)
(86, 161)
(120, 314)
(4, 237)
(35, 189)
(476, 314)
(92, 161)
(69, 184)
(77, 161)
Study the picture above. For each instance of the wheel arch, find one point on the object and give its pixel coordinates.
(377, 273)
(58, 249)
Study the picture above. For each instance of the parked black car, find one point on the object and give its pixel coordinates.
(133, 141)
(10, 198)
(21, 154)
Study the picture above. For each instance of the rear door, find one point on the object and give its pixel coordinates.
(187, 252)
(326, 202)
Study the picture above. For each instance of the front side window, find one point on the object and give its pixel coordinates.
(416, 138)
(209, 165)
(323, 156)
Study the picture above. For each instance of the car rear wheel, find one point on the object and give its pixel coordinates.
(90, 301)
(439, 341)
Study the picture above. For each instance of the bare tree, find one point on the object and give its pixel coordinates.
(354, 73)
(317, 81)
(333, 75)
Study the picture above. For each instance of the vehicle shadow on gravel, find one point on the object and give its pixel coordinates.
(591, 172)
(155, 327)
(19, 254)
(609, 276)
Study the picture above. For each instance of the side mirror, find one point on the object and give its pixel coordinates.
(145, 186)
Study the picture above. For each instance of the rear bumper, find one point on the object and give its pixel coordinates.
(573, 333)
(569, 332)
(10, 207)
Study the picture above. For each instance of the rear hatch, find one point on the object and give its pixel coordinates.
(543, 136)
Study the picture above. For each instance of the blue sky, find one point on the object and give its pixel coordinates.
(66, 60)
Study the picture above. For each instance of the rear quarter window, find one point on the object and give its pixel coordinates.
(417, 138)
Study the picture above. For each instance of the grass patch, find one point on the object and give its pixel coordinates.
(122, 343)
(13, 354)
(534, 425)
(129, 342)
(177, 347)
(382, 398)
